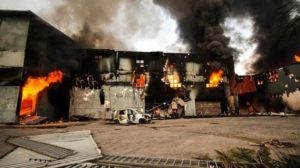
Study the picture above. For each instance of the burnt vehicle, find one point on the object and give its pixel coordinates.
(130, 116)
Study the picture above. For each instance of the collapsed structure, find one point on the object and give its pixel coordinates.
(94, 82)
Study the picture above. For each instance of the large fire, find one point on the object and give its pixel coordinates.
(215, 78)
(297, 58)
(32, 87)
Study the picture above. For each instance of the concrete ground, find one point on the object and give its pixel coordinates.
(178, 138)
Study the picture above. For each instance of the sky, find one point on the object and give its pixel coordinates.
(160, 34)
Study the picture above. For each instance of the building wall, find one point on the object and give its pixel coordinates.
(86, 103)
(277, 90)
(121, 97)
(8, 103)
(13, 37)
(287, 89)
(13, 40)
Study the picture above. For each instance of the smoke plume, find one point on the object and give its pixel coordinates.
(115, 24)
(200, 23)
(86, 21)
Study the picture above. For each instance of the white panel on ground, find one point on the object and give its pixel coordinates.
(81, 142)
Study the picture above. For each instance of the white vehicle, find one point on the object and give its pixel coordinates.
(128, 116)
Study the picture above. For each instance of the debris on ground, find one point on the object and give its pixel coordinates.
(280, 144)
(276, 143)
(46, 125)
(282, 114)
(33, 120)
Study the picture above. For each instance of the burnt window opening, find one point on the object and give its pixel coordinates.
(86, 81)
(140, 63)
(138, 79)
(171, 75)
(272, 76)
(97, 58)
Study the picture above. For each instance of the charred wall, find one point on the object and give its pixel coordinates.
(282, 93)
(114, 69)
(271, 91)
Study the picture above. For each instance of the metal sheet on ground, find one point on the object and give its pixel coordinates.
(42, 148)
(79, 141)
(133, 161)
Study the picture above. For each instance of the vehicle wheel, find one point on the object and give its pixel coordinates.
(117, 122)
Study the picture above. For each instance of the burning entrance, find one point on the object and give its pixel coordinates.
(215, 78)
(33, 86)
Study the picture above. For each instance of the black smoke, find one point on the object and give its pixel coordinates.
(199, 24)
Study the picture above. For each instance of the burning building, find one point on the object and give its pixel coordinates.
(271, 91)
(281, 88)
(44, 73)
(36, 60)
(110, 80)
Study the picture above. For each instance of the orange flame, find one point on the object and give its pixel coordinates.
(215, 78)
(32, 87)
(297, 58)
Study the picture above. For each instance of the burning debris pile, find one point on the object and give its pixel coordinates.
(30, 91)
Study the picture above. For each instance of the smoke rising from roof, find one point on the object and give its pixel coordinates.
(116, 24)
(200, 26)
(128, 24)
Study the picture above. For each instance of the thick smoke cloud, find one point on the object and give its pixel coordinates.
(86, 22)
(199, 25)
(109, 24)
(275, 45)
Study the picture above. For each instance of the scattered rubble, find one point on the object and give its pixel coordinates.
(33, 120)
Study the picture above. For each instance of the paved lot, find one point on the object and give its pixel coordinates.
(180, 138)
